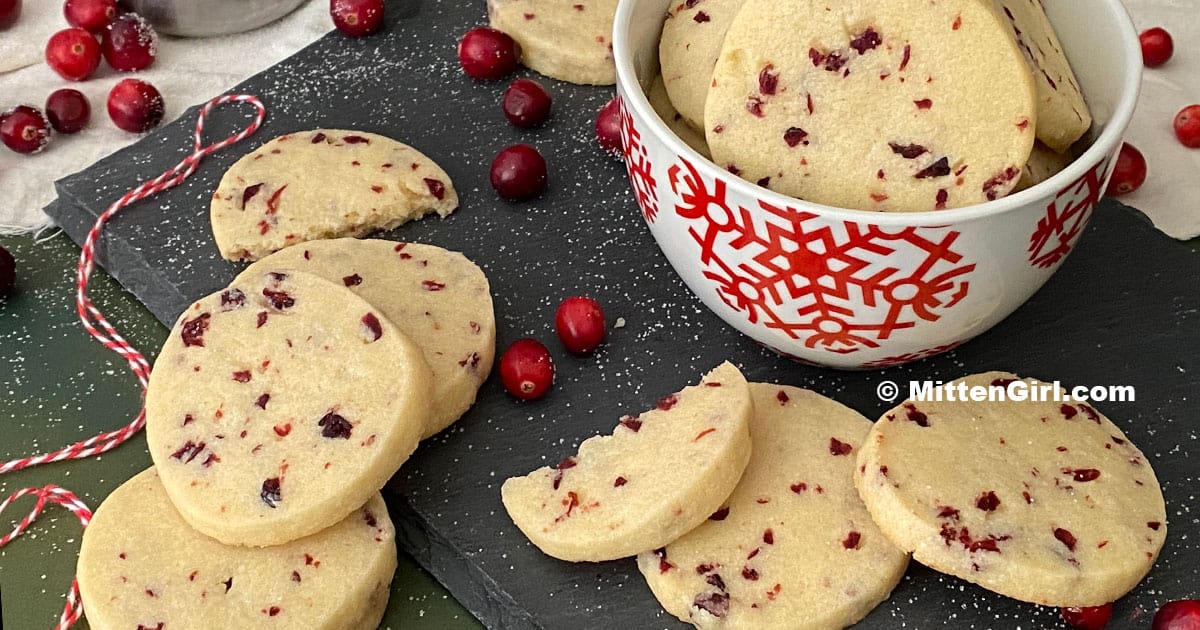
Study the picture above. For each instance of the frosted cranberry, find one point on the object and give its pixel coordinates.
(1183, 614)
(129, 43)
(526, 369)
(486, 53)
(10, 10)
(92, 15)
(373, 327)
(356, 18)
(135, 106)
(519, 172)
(608, 127)
(1187, 126)
(1157, 46)
(68, 110)
(580, 324)
(526, 103)
(1087, 618)
(8, 272)
(1130, 172)
(24, 129)
(73, 53)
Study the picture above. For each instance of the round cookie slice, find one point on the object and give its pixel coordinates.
(142, 566)
(794, 546)
(323, 184)
(1045, 502)
(281, 404)
(438, 298)
(661, 102)
(569, 41)
(691, 40)
(656, 477)
(872, 105)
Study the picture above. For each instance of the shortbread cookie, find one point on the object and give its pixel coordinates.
(794, 546)
(1062, 114)
(687, 51)
(323, 184)
(281, 404)
(142, 566)
(872, 106)
(569, 41)
(1043, 164)
(666, 111)
(655, 478)
(438, 298)
(1045, 502)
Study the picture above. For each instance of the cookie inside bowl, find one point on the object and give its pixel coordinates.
(880, 110)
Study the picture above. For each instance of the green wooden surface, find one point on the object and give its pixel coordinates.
(59, 386)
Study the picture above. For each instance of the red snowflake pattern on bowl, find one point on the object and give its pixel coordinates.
(1066, 217)
(637, 163)
(909, 357)
(802, 275)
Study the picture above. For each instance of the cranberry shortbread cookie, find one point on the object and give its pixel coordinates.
(1062, 114)
(794, 546)
(280, 405)
(1043, 164)
(323, 184)
(687, 51)
(142, 566)
(873, 106)
(661, 103)
(569, 41)
(658, 476)
(438, 298)
(1045, 502)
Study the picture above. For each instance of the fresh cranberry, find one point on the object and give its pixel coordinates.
(24, 129)
(129, 43)
(1129, 173)
(1183, 614)
(135, 106)
(1088, 618)
(1187, 126)
(519, 172)
(580, 324)
(526, 103)
(526, 369)
(356, 18)
(73, 53)
(486, 53)
(8, 272)
(608, 127)
(68, 110)
(10, 10)
(93, 15)
(1157, 46)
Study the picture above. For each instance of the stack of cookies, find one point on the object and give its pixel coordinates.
(751, 505)
(277, 409)
(889, 106)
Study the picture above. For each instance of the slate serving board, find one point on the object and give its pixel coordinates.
(1124, 309)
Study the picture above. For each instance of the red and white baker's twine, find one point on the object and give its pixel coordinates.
(98, 327)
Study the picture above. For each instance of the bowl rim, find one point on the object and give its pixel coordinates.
(1107, 142)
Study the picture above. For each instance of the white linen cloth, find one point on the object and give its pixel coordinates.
(186, 71)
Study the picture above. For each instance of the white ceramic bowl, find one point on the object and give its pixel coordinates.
(859, 290)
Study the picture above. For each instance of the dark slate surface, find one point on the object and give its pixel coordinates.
(1125, 309)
